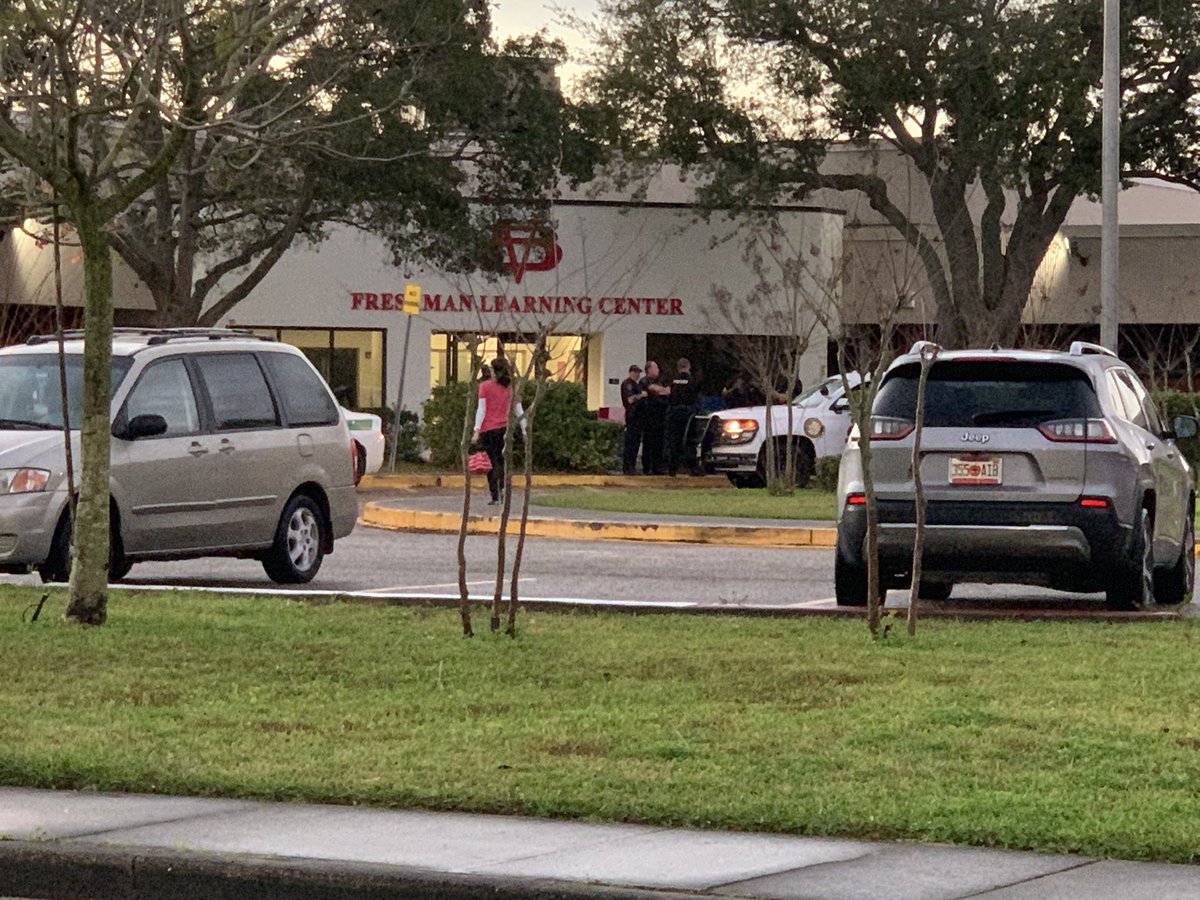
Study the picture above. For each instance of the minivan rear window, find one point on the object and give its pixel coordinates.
(996, 394)
(305, 398)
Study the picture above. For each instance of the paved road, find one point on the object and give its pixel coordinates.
(394, 562)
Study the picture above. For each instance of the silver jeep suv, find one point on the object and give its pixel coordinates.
(224, 444)
(1039, 467)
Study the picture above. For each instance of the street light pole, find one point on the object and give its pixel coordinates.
(1110, 175)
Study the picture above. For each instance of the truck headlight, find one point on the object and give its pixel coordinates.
(738, 431)
(23, 481)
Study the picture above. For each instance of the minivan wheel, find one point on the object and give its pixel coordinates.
(1133, 583)
(850, 583)
(1175, 586)
(296, 555)
(57, 566)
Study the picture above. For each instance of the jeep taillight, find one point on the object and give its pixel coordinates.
(1078, 431)
(884, 428)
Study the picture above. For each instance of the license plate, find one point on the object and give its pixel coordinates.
(975, 470)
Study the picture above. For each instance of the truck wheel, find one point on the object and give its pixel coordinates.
(850, 583)
(805, 462)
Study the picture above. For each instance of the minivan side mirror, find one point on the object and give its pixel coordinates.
(143, 426)
(1184, 426)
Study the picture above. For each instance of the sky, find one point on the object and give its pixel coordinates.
(515, 17)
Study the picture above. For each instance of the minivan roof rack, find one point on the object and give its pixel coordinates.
(156, 336)
(1079, 348)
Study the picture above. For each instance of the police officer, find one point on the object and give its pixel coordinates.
(682, 404)
(654, 419)
(632, 394)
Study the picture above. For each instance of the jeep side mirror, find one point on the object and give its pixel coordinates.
(1184, 426)
(143, 426)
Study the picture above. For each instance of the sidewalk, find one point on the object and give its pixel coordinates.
(68, 844)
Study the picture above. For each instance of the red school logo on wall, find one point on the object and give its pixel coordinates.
(528, 247)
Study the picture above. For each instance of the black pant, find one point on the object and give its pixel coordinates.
(654, 423)
(493, 443)
(678, 418)
(633, 439)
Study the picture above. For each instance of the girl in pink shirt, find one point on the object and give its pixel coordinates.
(491, 421)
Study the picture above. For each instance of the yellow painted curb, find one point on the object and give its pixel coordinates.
(378, 482)
(380, 516)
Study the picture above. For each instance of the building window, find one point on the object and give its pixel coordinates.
(351, 360)
(450, 356)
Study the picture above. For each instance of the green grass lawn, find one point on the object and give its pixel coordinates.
(1079, 737)
(748, 504)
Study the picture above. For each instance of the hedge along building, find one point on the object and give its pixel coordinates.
(613, 283)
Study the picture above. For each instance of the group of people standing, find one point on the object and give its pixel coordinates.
(657, 413)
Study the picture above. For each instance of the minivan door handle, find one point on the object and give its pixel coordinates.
(197, 449)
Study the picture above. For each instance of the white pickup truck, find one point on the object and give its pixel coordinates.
(736, 439)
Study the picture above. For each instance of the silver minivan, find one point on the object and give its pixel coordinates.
(224, 444)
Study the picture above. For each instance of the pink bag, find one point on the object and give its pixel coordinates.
(479, 462)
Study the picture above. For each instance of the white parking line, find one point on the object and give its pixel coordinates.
(425, 587)
(803, 604)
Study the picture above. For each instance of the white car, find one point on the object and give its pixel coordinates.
(367, 431)
(820, 421)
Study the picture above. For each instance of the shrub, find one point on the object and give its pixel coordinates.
(825, 476)
(409, 448)
(566, 435)
(442, 423)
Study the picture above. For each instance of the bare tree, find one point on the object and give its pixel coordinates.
(80, 79)
(771, 329)
(929, 353)
(866, 351)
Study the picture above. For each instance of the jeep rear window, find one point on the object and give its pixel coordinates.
(995, 394)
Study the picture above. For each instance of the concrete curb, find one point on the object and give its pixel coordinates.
(377, 515)
(61, 870)
(405, 482)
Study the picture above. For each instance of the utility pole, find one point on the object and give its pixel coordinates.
(1110, 176)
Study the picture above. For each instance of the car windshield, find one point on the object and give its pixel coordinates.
(31, 394)
(815, 395)
(996, 394)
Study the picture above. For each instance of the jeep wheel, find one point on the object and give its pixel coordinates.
(1133, 583)
(1175, 586)
(299, 546)
(850, 583)
(935, 590)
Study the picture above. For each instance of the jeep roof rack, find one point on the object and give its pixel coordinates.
(157, 336)
(1080, 348)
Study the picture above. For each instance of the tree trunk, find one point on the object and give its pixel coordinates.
(928, 355)
(90, 533)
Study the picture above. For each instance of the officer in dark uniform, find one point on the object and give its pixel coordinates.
(632, 393)
(654, 419)
(682, 405)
